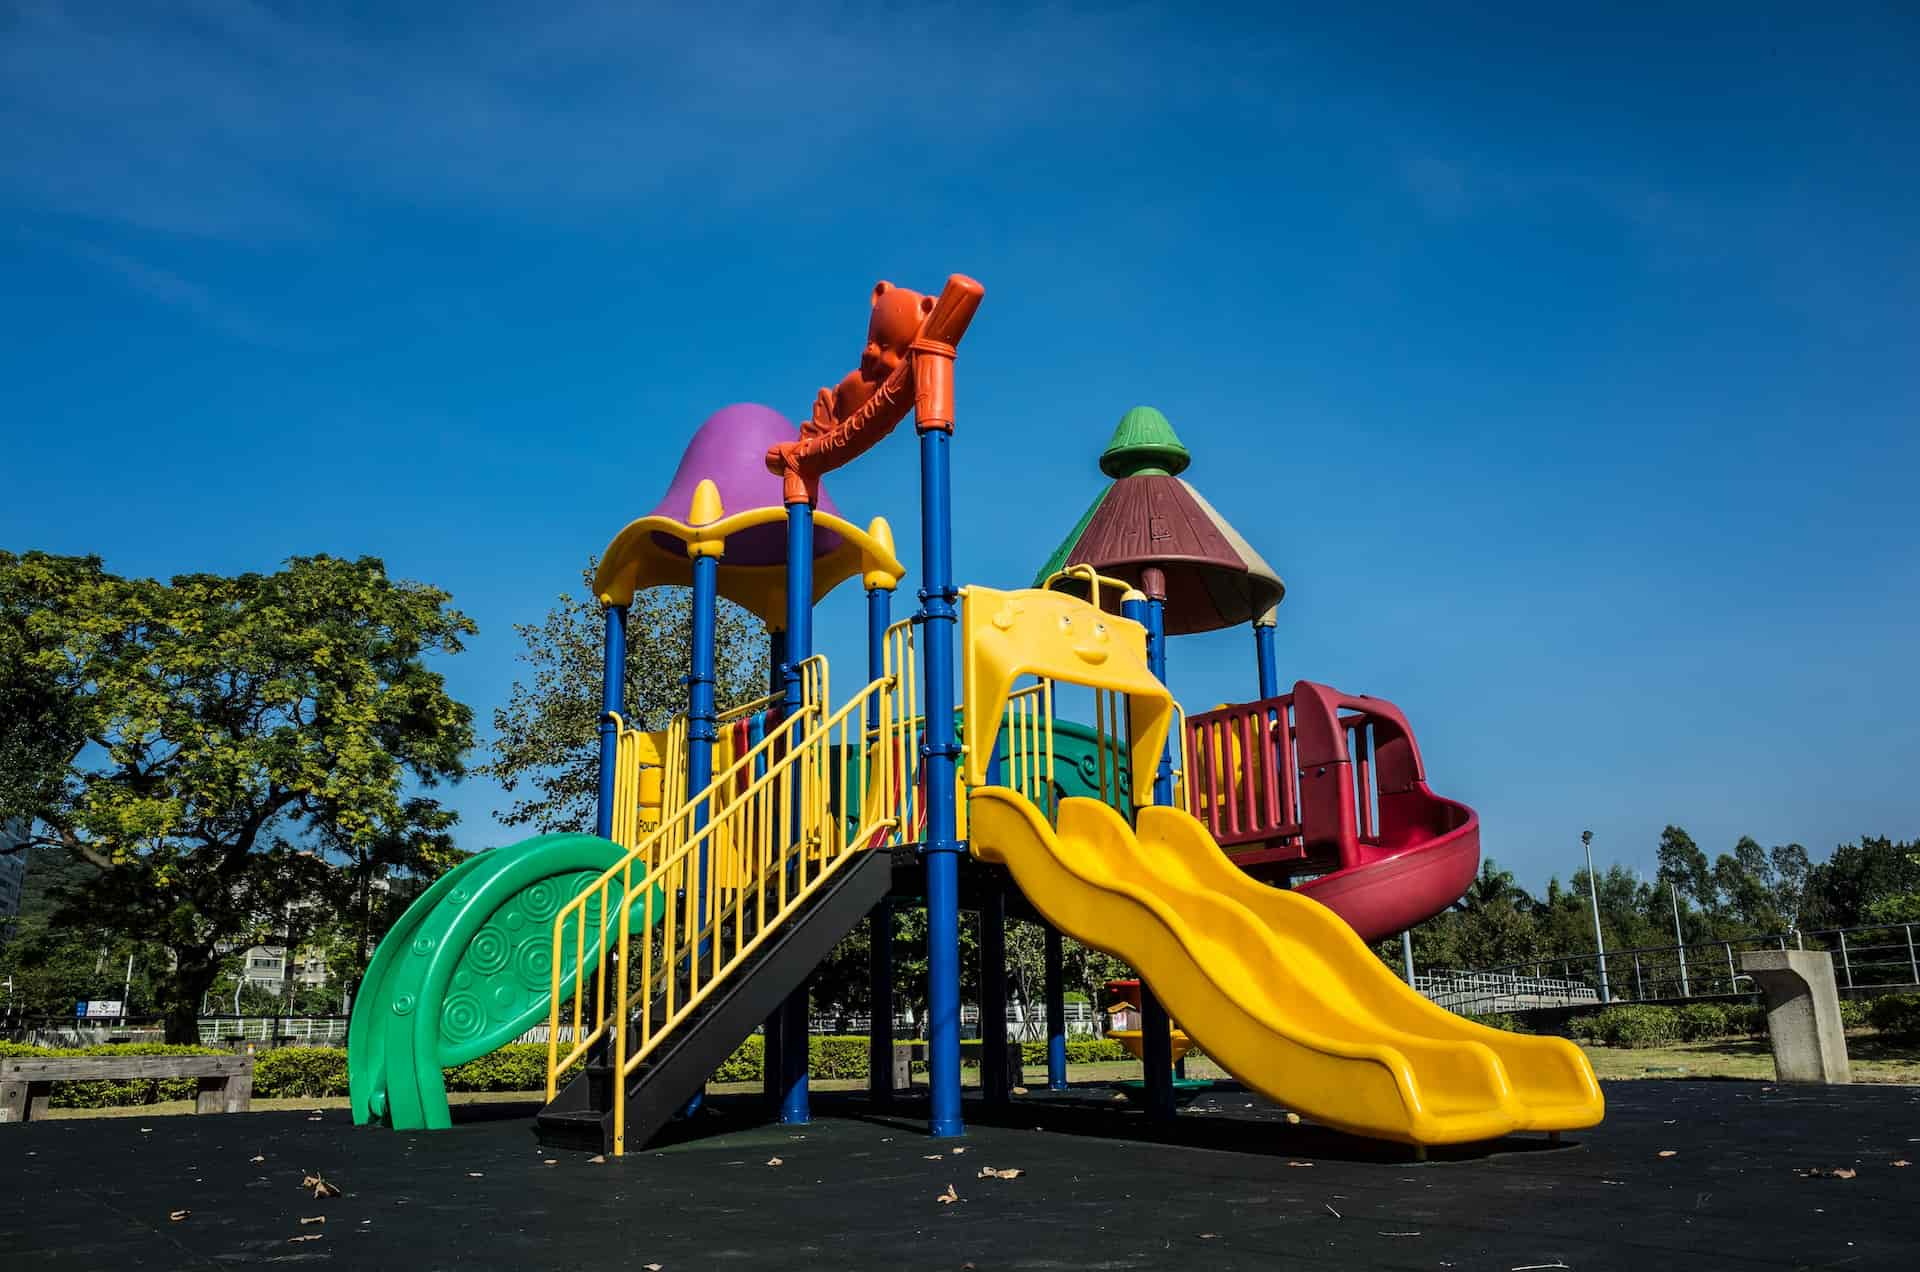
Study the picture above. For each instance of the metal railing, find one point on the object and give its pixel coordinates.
(1864, 957)
(1476, 993)
(314, 1031)
(693, 900)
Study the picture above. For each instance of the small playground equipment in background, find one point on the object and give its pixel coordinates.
(734, 851)
(1123, 1022)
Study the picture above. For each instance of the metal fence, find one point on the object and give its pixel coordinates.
(1885, 957)
(1482, 992)
(307, 1031)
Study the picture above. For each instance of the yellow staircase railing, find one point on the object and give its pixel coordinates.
(730, 865)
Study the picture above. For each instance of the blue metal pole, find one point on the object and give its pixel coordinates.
(941, 751)
(880, 919)
(794, 1108)
(1157, 664)
(772, 1061)
(613, 676)
(700, 729)
(1056, 991)
(1156, 1045)
(1263, 651)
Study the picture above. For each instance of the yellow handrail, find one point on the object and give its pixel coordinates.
(730, 865)
(1094, 581)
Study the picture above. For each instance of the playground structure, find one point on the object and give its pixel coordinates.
(733, 852)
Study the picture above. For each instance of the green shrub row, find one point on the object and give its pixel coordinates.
(310, 1073)
(1896, 1014)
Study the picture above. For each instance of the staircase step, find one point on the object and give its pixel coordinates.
(583, 1130)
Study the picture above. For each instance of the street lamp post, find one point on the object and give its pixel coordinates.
(1593, 894)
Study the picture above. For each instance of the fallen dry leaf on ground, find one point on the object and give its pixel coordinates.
(958, 1151)
(307, 1219)
(1902, 1162)
(598, 1159)
(1822, 1172)
(1299, 1163)
(1667, 1152)
(931, 1157)
(775, 1161)
(476, 1174)
(551, 1161)
(1019, 1090)
(311, 1236)
(178, 1215)
(1208, 1236)
(311, 1119)
(988, 1172)
(948, 1197)
(256, 1159)
(1293, 1119)
(653, 1267)
(319, 1186)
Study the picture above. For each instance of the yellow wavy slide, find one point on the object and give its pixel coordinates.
(1275, 987)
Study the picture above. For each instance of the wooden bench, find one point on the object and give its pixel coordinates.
(226, 1082)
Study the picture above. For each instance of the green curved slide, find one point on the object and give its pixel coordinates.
(466, 970)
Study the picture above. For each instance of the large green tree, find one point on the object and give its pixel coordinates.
(246, 739)
(546, 737)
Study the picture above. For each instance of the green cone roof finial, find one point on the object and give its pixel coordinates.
(1144, 444)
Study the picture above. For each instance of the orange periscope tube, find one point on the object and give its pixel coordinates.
(922, 383)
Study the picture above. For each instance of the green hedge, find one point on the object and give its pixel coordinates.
(311, 1073)
(1502, 1021)
(1896, 1014)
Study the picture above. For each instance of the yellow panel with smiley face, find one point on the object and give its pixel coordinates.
(1007, 635)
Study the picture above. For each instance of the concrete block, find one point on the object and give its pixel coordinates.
(1803, 1014)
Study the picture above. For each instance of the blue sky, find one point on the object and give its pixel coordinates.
(1564, 364)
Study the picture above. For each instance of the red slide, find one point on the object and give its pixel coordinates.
(1335, 788)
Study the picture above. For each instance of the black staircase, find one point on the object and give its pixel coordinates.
(581, 1115)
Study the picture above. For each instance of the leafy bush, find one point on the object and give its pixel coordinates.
(305, 1073)
(1897, 1014)
(1637, 1026)
(1702, 1022)
(1583, 1028)
(1854, 1013)
(1502, 1021)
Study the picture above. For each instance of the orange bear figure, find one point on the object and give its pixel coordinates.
(898, 315)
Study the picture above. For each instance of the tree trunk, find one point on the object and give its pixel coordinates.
(180, 996)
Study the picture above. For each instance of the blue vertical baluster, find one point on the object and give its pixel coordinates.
(1156, 1046)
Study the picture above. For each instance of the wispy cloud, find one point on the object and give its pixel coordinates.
(230, 119)
(170, 289)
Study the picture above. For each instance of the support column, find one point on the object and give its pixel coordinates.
(771, 1062)
(1156, 1045)
(941, 751)
(1056, 994)
(705, 553)
(613, 679)
(993, 997)
(880, 585)
(794, 1107)
(1263, 653)
(880, 1002)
